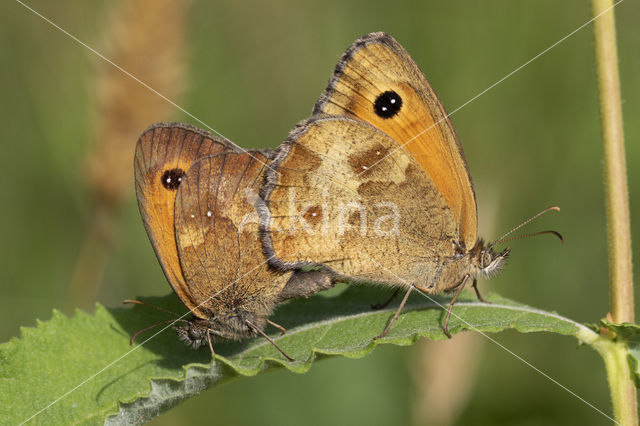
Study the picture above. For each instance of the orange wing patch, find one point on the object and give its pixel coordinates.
(164, 154)
(377, 81)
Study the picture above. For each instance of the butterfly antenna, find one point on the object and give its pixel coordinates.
(504, 238)
(138, 302)
(519, 237)
(149, 328)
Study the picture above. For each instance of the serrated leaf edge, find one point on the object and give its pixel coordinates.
(582, 332)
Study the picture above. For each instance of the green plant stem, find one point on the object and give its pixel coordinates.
(622, 388)
(615, 169)
(621, 385)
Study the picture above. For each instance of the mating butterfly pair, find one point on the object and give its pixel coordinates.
(373, 187)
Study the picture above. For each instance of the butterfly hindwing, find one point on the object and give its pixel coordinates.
(216, 228)
(328, 206)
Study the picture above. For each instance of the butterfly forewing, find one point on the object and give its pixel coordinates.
(164, 153)
(377, 81)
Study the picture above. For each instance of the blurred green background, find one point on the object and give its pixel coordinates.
(251, 71)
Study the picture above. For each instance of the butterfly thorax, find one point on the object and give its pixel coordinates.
(450, 271)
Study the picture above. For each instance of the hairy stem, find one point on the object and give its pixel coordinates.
(623, 391)
(615, 168)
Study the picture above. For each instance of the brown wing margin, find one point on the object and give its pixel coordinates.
(264, 214)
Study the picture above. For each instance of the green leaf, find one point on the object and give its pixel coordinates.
(629, 334)
(82, 370)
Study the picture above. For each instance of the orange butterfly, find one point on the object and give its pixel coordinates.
(375, 186)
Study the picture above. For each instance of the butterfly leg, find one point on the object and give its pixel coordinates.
(478, 295)
(269, 339)
(377, 306)
(396, 315)
(213, 353)
(278, 326)
(445, 328)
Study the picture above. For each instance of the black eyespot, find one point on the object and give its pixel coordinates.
(171, 178)
(387, 104)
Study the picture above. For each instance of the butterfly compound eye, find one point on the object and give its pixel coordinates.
(387, 104)
(171, 178)
(487, 258)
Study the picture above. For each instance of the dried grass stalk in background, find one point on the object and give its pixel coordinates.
(146, 38)
(444, 373)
